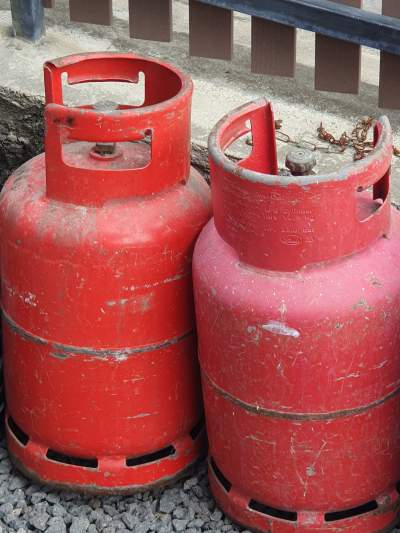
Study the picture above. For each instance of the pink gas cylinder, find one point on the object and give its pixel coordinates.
(297, 294)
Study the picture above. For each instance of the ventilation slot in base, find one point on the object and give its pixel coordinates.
(198, 428)
(18, 433)
(289, 516)
(151, 457)
(70, 460)
(349, 513)
(220, 476)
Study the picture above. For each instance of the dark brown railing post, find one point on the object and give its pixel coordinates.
(92, 11)
(28, 19)
(389, 80)
(210, 31)
(273, 48)
(337, 63)
(151, 20)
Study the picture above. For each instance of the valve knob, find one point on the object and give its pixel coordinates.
(300, 161)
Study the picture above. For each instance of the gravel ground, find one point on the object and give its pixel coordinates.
(187, 506)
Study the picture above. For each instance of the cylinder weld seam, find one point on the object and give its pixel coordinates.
(83, 350)
(270, 413)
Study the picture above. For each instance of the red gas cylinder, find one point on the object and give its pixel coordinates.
(297, 293)
(102, 383)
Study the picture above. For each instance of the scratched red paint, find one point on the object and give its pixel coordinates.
(297, 293)
(99, 351)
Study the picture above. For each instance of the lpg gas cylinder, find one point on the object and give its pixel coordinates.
(102, 384)
(297, 296)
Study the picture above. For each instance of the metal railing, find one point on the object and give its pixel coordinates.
(341, 27)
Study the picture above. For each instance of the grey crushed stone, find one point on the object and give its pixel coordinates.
(186, 507)
(79, 525)
(179, 525)
(56, 525)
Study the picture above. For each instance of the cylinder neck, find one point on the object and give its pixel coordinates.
(97, 175)
(284, 223)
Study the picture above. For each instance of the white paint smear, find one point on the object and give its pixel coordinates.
(280, 329)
